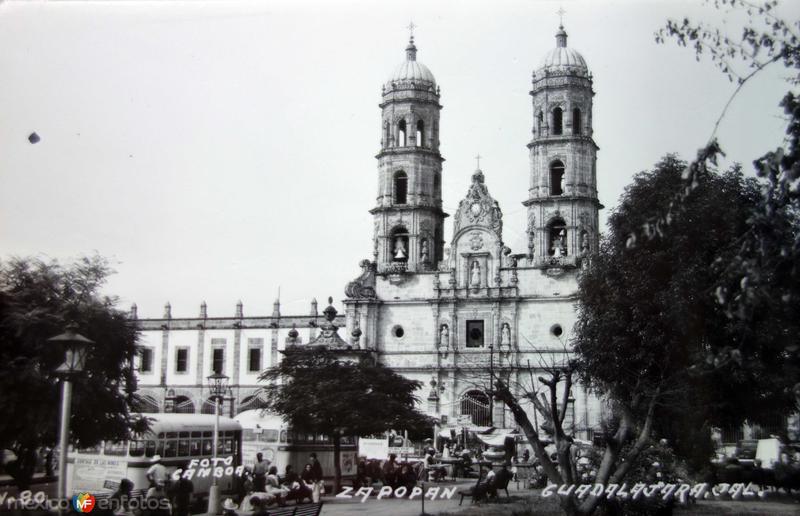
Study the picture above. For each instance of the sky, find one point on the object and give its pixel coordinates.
(221, 151)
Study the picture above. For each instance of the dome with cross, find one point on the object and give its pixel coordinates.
(563, 59)
(411, 72)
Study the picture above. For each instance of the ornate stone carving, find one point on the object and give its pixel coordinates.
(478, 208)
(363, 287)
(476, 241)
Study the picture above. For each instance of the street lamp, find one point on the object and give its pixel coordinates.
(74, 346)
(219, 386)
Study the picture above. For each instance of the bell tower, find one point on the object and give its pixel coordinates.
(562, 198)
(409, 221)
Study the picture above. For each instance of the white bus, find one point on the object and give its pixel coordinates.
(271, 436)
(177, 438)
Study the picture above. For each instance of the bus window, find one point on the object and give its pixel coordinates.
(93, 450)
(208, 433)
(197, 434)
(207, 446)
(228, 446)
(195, 447)
(117, 449)
(170, 448)
(136, 448)
(183, 447)
(269, 436)
(283, 436)
(248, 435)
(183, 435)
(172, 435)
(290, 437)
(150, 449)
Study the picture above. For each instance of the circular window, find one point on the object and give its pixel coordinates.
(398, 331)
(556, 330)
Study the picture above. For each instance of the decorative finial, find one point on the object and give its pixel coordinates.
(411, 28)
(478, 161)
(561, 12)
(330, 311)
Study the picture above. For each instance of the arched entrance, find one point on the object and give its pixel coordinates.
(477, 405)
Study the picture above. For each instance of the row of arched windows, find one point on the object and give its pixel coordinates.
(558, 121)
(402, 133)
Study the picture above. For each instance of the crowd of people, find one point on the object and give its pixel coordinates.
(258, 488)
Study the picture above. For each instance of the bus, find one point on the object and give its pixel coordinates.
(271, 436)
(178, 438)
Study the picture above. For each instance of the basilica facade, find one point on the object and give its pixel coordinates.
(451, 314)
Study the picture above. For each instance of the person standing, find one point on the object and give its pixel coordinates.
(157, 474)
(260, 473)
(182, 497)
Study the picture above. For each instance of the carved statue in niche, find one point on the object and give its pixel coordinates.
(560, 244)
(505, 335)
(444, 336)
(424, 252)
(475, 275)
(584, 242)
(400, 249)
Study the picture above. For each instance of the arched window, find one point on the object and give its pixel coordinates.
(539, 123)
(558, 122)
(183, 405)
(399, 249)
(576, 121)
(401, 133)
(400, 190)
(556, 178)
(145, 403)
(420, 133)
(557, 238)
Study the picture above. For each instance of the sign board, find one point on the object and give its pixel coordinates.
(91, 474)
(374, 448)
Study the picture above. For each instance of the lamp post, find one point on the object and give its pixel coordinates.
(74, 346)
(491, 384)
(219, 386)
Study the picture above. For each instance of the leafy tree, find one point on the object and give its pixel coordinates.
(317, 391)
(645, 315)
(759, 286)
(37, 300)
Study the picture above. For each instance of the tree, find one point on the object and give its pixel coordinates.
(759, 286)
(317, 391)
(37, 300)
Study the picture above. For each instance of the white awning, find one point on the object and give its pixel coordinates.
(497, 436)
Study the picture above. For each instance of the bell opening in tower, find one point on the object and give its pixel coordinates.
(400, 244)
(401, 133)
(400, 188)
(558, 121)
(420, 133)
(557, 178)
(557, 238)
(576, 121)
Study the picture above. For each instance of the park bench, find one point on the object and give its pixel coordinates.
(306, 509)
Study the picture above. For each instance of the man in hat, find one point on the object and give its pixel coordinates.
(157, 474)
(229, 508)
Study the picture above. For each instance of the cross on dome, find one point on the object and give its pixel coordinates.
(478, 161)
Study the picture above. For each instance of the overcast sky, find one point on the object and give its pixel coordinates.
(217, 151)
